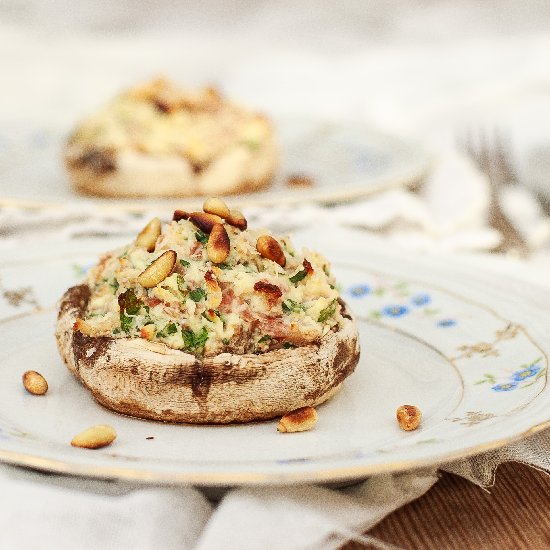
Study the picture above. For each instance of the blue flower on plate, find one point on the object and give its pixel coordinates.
(357, 291)
(507, 386)
(395, 311)
(446, 323)
(528, 372)
(421, 299)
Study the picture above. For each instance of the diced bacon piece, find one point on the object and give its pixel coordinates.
(308, 267)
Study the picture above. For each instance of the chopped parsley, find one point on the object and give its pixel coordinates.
(147, 320)
(328, 312)
(129, 305)
(126, 322)
(225, 266)
(182, 287)
(225, 341)
(289, 345)
(114, 285)
(297, 277)
(201, 236)
(192, 340)
(290, 306)
(170, 328)
(185, 263)
(261, 344)
(129, 302)
(197, 294)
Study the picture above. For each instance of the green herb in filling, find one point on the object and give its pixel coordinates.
(225, 341)
(114, 285)
(192, 340)
(147, 320)
(225, 266)
(197, 294)
(297, 277)
(129, 304)
(264, 338)
(201, 236)
(170, 328)
(328, 312)
(290, 306)
(182, 287)
(201, 337)
(289, 345)
(185, 263)
(126, 322)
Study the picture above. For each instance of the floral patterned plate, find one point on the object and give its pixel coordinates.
(469, 348)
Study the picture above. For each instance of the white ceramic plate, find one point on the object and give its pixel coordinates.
(345, 161)
(468, 348)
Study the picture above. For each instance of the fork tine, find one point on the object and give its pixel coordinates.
(489, 153)
(509, 174)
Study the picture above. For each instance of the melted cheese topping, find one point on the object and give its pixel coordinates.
(204, 308)
(158, 119)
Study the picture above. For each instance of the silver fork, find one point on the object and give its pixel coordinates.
(493, 159)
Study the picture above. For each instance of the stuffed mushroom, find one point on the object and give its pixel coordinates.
(203, 320)
(162, 141)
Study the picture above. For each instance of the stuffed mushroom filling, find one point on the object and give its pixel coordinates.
(159, 119)
(234, 290)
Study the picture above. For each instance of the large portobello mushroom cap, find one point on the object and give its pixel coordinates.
(151, 380)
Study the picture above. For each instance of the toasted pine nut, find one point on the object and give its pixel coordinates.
(214, 292)
(205, 222)
(158, 270)
(215, 205)
(180, 215)
(408, 417)
(236, 219)
(34, 382)
(99, 328)
(300, 420)
(218, 246)
(269, 248)
(300, 180)
(149, 235)
(95, 437)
